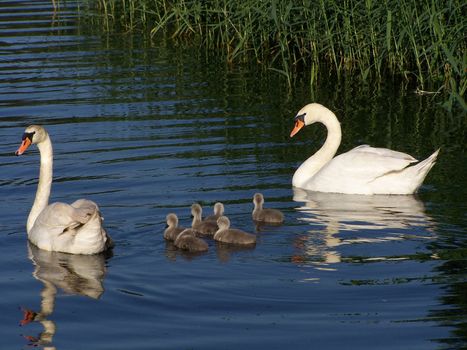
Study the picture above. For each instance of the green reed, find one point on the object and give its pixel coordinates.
(421, 41)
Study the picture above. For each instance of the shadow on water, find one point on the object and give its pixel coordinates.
(70, 273)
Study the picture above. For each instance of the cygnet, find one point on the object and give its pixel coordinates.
(205, 228)
(186, 240)
(218, 212)
(232, 235)
(172, 230)
(273, 216)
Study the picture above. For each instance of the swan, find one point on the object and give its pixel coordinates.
(265, 215)
(172, 230)
(362, 170)
(232, 235)
(74, 228)
(217, 213)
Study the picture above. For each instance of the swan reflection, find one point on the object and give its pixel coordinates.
(342, 219)
(73, 274)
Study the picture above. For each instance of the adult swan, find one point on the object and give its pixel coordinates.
(61, 227)
(362, 170)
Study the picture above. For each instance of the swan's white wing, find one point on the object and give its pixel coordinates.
(384, 153)
(368, 163)
(64, 217)
(85, 203)
(353, 171)
(75, 228)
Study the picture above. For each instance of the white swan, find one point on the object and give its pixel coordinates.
(61, 227)
(362, 170)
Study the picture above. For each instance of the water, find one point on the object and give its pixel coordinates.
(145, 129)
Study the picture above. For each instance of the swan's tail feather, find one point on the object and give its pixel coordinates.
(425, 165)
(422, 169)
(109, 242)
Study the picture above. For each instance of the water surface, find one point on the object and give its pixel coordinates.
(147, 128)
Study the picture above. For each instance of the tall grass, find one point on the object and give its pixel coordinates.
(420, 41)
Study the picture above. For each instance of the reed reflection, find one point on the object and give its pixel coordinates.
(73, 274)
(341, 219)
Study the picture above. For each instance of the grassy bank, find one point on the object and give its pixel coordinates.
(419, 41)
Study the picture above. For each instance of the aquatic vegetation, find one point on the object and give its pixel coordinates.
(420, 42)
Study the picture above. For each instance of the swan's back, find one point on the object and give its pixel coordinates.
(369, 170)
(75, 229)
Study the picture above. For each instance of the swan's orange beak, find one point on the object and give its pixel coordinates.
(29, 316)
(27, 141)
(298, 125)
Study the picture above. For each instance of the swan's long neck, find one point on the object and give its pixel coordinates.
(45, 182)
(313, 164)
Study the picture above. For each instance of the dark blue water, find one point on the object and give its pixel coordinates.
(146, 128)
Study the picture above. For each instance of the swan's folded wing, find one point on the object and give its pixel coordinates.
(371, 163)
(85, 203)
(384, 153)
(360, 166)
(66, 228)
(64, 217)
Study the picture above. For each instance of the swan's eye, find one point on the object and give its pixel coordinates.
(300, 117)
(28, 135)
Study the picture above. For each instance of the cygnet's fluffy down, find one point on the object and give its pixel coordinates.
(231, 235)
(172, 230)
(186, 240)
(203, 228)
(272, 216)
(218, 212)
